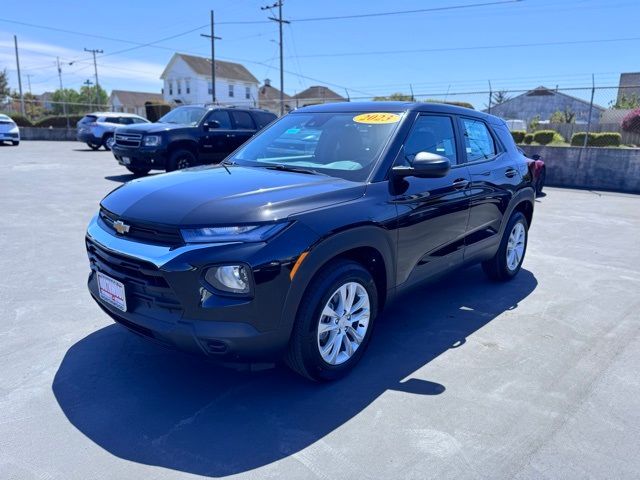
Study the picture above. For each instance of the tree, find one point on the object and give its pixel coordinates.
(89, 100)
(4, 85)
(631, 121)
(499, 97)
(563, 116)
(533, 123)
(626, 102)
(71, 97)
(399, 97)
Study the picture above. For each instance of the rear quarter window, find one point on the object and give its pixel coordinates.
(242, 120)
(88, 119)
(263, 119)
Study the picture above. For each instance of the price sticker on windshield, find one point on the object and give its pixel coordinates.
(377, 118)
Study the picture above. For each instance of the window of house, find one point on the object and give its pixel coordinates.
(170, 87)
(478, 140)
(179, 86)
(187, 86)
(247, 93)
(432, 134)
(231, 90)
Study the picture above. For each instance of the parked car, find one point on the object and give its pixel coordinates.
(187, 136)
(538, 172)
(96, 129)
(9, 131)
(287, 250)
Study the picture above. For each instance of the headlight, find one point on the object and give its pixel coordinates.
(152, 140)
(230, 279)
(241, 233)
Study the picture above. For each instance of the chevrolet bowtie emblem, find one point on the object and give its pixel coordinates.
(121, 227)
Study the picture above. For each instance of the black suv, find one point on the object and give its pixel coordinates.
(292, 246)
(187, 136)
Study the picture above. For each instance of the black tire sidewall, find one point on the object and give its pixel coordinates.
(104, 142)
(313, 303)
(175, 157)
(517, 217)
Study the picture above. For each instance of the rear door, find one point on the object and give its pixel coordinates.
(432, 212)
(214, 141)
(244, 128)
(494, 175)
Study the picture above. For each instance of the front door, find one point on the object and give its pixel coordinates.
(432, 212)
(214, 143)
(244, 128)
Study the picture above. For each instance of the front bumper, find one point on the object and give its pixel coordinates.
(141, 157)
(167, 300)
(10, 136)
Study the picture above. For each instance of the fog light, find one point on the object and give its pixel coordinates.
(230, 278)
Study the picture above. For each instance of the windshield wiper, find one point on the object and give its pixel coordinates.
(291, 168)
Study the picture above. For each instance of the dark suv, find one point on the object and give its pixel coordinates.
(292, 246)
(187, 136)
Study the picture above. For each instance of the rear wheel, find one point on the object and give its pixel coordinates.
(334, 322)
(139, 171)
(181, 159)
(93, 146)
(108, 142)
(508, 259)
(15, 144)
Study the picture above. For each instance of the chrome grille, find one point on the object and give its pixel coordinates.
(132, 140)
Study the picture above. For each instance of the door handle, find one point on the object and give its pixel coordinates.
(460, 183)
(510, 173)
(230, 135)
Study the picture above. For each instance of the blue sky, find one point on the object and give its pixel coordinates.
(343, 54)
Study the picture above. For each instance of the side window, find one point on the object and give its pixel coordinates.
(433, 134)
(138, 120)
(222, 117)
(263, 118)
(126, 120)
(242, 120)
(478, 140)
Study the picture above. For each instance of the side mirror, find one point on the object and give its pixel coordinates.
(211, 124)
(424, 165)
(535, 157)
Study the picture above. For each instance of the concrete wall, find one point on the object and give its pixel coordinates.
(616, 169)
(37, 133)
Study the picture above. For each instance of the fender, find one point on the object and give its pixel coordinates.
(526, 194)
(328, 248)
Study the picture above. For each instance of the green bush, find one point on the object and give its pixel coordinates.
(603, 139)
(58, 121)
(518, 135)
(545, 137)
(607, 139)
(20, 119)
(528, 138)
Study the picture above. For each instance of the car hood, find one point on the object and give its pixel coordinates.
(151, 127)
(213, 195)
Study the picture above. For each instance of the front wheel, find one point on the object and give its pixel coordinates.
(181, 159)
(15, 144)
(334, 322)
(508, 259)
(93, 146)
(108, 142)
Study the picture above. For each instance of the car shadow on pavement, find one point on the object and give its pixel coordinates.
(154, 406)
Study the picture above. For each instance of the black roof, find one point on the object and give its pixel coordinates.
(350, 107)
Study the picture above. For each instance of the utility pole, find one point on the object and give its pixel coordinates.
(593, 91)
(62, 92)
(29, 75)
(15, 41)
(88, 83)
(490, 97)
(95, 68)
(213, 58)
(280, 23)
(413, 98)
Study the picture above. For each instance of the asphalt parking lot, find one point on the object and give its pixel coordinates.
(464, 379)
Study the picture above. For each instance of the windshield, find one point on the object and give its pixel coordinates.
(184, 115)
(344, 145)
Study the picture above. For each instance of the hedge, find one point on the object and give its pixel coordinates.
(603, 139)
(58, 121)
(631, 121)
(20, 119)
(518, 135)
(545, 137)
(528, 138)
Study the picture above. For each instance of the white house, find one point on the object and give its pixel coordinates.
(187, 80)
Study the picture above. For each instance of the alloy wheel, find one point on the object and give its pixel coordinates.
(515, 246)
(343, 323)
(183, 163)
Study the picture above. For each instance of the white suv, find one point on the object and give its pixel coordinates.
(96, 129)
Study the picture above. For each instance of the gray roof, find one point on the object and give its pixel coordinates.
(137, 98)
(229, 70)
(319, 93)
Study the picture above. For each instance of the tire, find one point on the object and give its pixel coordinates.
(540, 182)
(107, 142)
(498, 268)
(93, 146)
(180, 159)
(304, 352)
(139, 171)
(15, 144)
